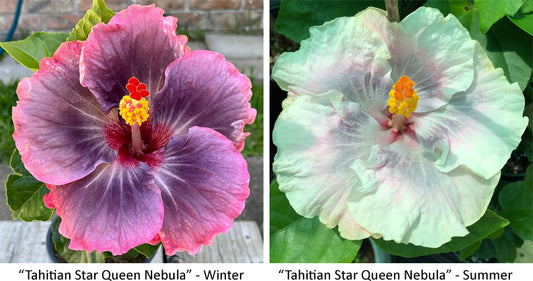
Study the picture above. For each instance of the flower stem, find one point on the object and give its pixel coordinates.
(392, 10)
(136, 141)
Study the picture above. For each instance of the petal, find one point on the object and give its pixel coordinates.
(341, 55)
(203, 182)
(137, 42)
(434, 51)
(59, 127)
(405, 198)
(202, 89)
(481, 126)
(114, 209)
(318, 137)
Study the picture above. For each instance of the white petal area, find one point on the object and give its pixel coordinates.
(432, 50)
(318, 137)
(404, 198)
(341, 55)
(422, 17)
(481, 126)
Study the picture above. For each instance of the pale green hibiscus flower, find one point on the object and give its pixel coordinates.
(394, 130)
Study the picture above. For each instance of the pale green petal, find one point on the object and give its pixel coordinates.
(422, 17)
(434, 51)
(317, 139)
(481, 126)
(404, 198)
(341, 55)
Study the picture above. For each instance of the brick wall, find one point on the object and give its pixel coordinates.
(229, 16)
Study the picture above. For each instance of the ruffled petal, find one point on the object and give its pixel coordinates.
(202, 89)
(403, 197)
(318, 137)
(59, 127)
(204, 183)
(137, 42)
(114, 209)
(432, 50)
(481, 126)
(336, 57)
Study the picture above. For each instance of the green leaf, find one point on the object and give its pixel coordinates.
(146, 249)
(529, 93)
(488, 224)
(469, 251)
(528, 111)
(486, 250)
(97, 14)
(462, 9)
(491, 11)
(524, 21)
(526, 145)
(8, 99)
(516, 201)
(505, 47)
(31, 50)
(25, 194)
(310, 241)
(297, 239)
(504, 43)
(496, 234)
(527, 7)
(504, 247)
(281, 212)
(528, 179)
(456, 7)
(61, 246)
(296, 17)
(524, 17)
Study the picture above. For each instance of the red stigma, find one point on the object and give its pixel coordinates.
(136, 89)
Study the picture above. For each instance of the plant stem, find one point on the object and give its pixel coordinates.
(392, 10)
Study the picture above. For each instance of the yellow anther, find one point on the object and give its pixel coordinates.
(133, 111)
(403, 99)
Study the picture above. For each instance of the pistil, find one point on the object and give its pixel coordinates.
(136, 140)
(397, 122)
(134, 110)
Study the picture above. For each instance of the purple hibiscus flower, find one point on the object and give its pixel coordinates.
(137, 137)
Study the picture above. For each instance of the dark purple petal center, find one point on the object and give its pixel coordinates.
(154, 137)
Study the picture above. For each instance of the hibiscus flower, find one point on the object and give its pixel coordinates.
(394, 130)
(137, 138)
